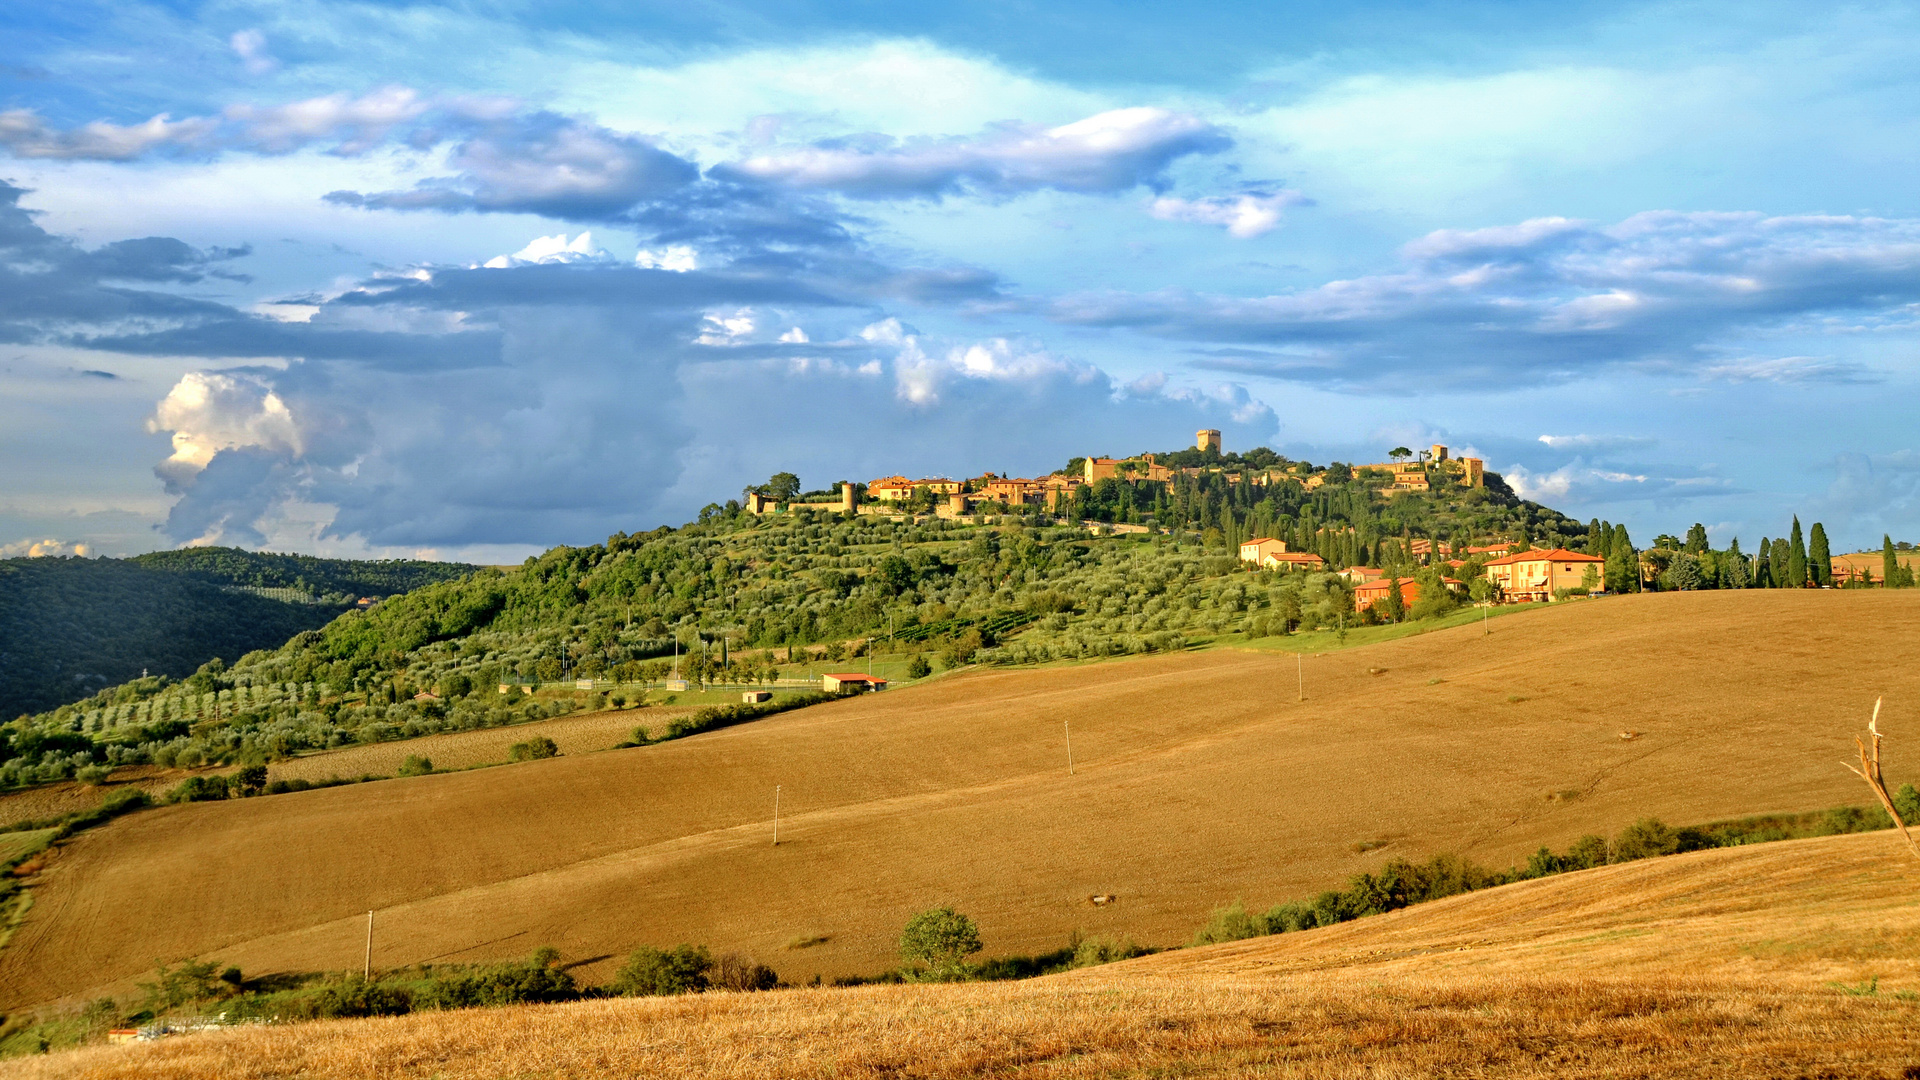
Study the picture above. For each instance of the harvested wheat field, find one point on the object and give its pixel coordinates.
(1795, 959)
(1198, 779)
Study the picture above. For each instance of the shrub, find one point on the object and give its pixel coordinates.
(198, 789)
(533, 749)
(651, 972)
(354, 997)
(1644, 839)
(415, 765)
(248, 780)
(1092, 952)
(741, 975)
(918, 667)
(93, 775)
(1907, 801)
(939, 940)
(1585, 854)
(1230, 923)
(533, 981)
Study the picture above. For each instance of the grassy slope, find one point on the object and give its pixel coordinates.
(1197, 782)
(1716, 964)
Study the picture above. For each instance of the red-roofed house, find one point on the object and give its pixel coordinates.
(1291, 560)
(1536, 575)
(836, 683)
(1368, 593)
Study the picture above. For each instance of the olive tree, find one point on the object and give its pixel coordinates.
(939, 941)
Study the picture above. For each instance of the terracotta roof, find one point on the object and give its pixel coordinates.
(1553, 555)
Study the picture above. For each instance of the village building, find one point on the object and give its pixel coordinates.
(1256, 549)
(1292, 560)
(834, 684)
(1376, 590)
(900, 489)
(1529, 576)
(1362, 573)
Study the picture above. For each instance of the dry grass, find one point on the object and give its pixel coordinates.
(1318, 1026)
(1382, 997)
(1199, 779)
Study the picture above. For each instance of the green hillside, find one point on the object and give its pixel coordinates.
(69, 627)
(762, 594)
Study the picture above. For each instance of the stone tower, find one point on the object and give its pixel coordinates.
(1207, 439)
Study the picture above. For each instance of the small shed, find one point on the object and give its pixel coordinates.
(755, 697)
(677, 686)
(833, 684)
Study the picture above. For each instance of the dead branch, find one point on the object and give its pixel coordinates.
(1869, 771)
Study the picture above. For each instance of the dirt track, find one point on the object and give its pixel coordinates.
(1198, 779)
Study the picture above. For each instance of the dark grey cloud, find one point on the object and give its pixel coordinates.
(1554, 299)
(51, 286)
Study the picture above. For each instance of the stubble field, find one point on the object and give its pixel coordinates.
(1198, 779)
(1786, 960)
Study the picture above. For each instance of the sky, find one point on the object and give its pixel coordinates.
(466, 281)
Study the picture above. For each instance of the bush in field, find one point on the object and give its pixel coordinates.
(173, 987)
(741, 975)
(248, 780)
(939, 941)
(651, 972)
(534, 980)
(93, 775)
(533, 749)
(415, 765)
(198, 789)
(353, 997)
(1230, 923)
(1644, 839)
(918, 667)
(1094, 951)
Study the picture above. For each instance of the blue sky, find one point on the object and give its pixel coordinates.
(471, 280)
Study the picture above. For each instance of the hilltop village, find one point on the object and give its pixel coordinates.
(1512, 570)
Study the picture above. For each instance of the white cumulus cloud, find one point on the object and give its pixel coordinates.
(1245, 215)
(208, 412)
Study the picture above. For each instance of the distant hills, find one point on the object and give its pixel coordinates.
(69, 627)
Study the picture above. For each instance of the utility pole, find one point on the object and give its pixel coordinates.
(776, 815)
(1068, 726)
(366, 972)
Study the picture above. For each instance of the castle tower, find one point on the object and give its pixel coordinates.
(1207, 439)
(848, 501)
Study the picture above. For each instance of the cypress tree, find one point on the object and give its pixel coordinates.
(1596, 540)
(1623, 570)
(1796, 557)
(1889, 563)
(1819, 559)
(1763, 565)
(1733, 567)
(1781, 571)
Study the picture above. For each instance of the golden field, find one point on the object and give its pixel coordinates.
(1199, 779)
(1796, 959)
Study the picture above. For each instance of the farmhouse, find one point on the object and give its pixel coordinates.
(1368, 593)
(1259, 547)
(1292, 560)
(1536, 575)
(833, 684)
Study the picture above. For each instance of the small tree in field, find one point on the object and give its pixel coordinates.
(939, 941)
